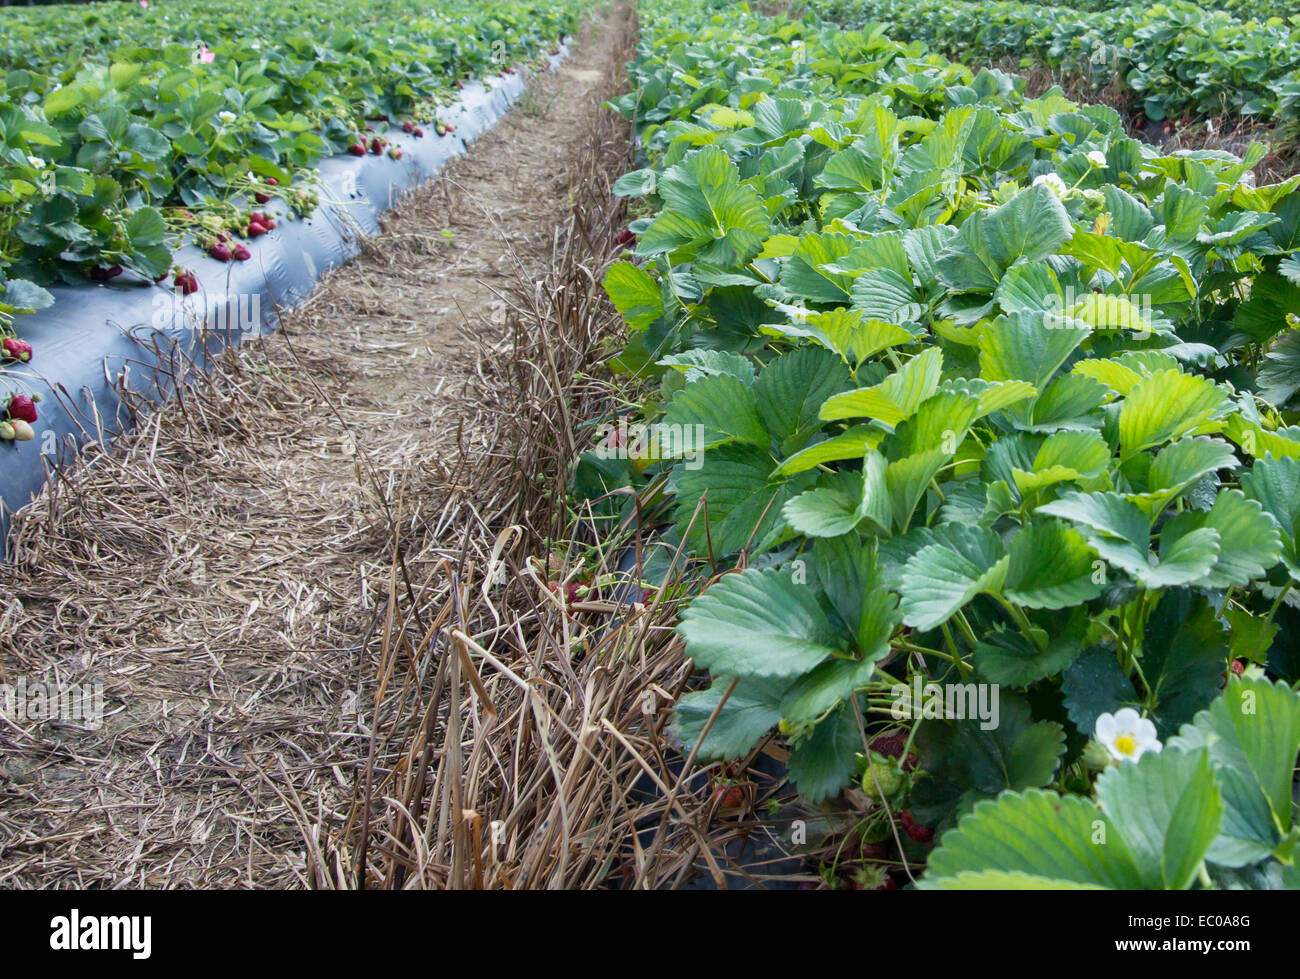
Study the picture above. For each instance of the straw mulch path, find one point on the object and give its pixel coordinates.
(234, 573)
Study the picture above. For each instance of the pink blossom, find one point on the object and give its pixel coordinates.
(206, 56)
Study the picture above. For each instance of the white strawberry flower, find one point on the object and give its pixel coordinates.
(1127, 735)
(1097, 158)
(1053, 183)
(226, 115)
(37, 162)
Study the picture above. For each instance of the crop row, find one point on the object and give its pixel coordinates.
(1244, 9)
(125, 130)
(966, 388)
(1177, 58)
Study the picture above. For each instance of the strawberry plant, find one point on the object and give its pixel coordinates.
(980, 393)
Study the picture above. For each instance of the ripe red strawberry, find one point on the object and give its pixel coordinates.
(15, 349)
(729, 797)
(1238, 667)
(357, 149)
(376, 146)
(570, 591)
(624, 237)
(272, 181)
(419, 133)
(241, 253)
(261, 198)
(187, 283)
(104, 273)
(922, 834)
(22, 408)
(891, 745)
(269, 224)
(256, 229)
(408, 126)
(220, 252)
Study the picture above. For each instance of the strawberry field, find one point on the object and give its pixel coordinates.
(676, 445)
(129, 129)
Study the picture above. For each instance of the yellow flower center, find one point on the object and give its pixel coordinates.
(1126, 744)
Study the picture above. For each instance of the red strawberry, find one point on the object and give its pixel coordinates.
(376, 146)
(272, 181)
(187, 283)
(241, 253)
(261, 198)
(269, 224)
(624, 237)
(891, 745)
(220, 252)
(408, 126)
(22, 407)
(256, 229)
(104, 273)
(419, 133)
(1238, 667)
(922, 834)
(15, 349)
(729, 797)
(459, 83)
(357, 149)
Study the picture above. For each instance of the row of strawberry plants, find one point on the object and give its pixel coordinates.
(1178, 59)
(126, 130)
(1256, 9)
(956, 388)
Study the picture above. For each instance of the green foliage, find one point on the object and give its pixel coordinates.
(1249, 66)
(1216, 800)
(978, 392)
(115, 118)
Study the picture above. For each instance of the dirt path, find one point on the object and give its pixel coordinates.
(227, 575)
